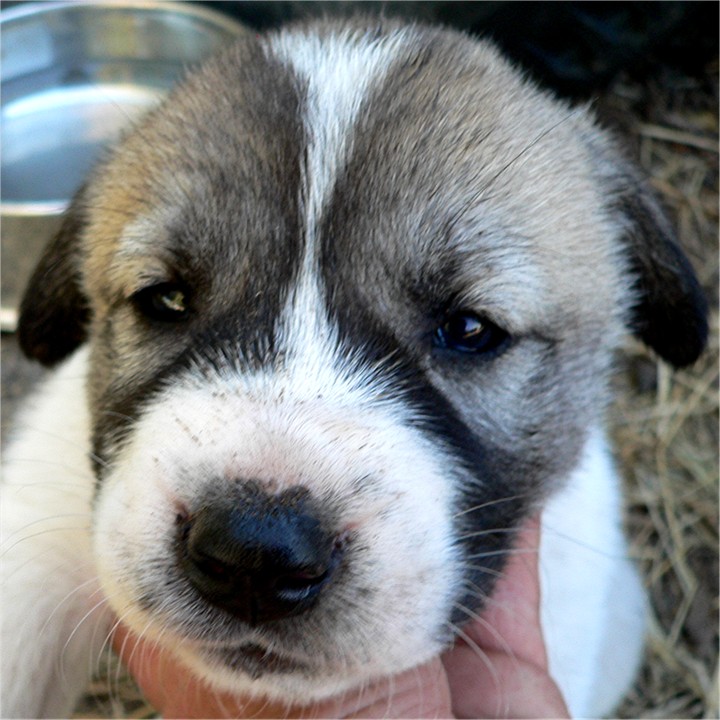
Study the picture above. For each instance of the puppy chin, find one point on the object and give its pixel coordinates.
(253, 671)
(256, 670)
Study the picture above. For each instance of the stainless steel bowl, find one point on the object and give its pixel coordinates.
(73, 76)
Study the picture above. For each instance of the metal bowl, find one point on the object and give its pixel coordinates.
(73, 76)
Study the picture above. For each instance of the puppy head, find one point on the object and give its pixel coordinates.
(351, 296)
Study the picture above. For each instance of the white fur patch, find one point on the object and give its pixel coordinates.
(54, 617)
(591, 591)
(338, 71)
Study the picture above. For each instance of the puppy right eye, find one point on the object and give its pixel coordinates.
(165, 302)
(467, 332)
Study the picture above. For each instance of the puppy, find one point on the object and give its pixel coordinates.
(334, 320)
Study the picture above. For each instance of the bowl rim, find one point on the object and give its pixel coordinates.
(25, 10)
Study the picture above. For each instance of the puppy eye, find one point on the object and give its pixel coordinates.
(166, 302)
(469, 333)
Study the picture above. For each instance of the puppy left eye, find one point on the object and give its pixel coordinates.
(165, 302)
(469, 333)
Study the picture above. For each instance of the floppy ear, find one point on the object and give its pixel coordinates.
(54, 311)
(670, 314)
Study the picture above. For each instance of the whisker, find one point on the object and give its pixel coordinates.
(543, 134)
(492, 503)
(481, 196)
(68, 470)
(484, 569)
(119, 415)
(483, 656)
(66, 440)
(506, 551)
(485, 600)
(89, 614)
(488, 531)
(476, 617)
(63, 528)
(602, 552)
(64, 600)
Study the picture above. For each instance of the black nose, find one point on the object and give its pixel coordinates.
(259, 558)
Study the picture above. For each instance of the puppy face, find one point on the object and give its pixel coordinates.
(351, 296)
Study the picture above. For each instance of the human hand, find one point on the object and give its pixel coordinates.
(497, 668)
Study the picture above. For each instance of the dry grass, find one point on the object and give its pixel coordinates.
(665, 426)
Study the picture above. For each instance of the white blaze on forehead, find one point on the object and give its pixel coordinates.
(338, 71)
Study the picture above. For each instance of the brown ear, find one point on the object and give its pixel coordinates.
(670, 313)
(54, 311)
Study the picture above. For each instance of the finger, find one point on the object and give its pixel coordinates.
(499, 685)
